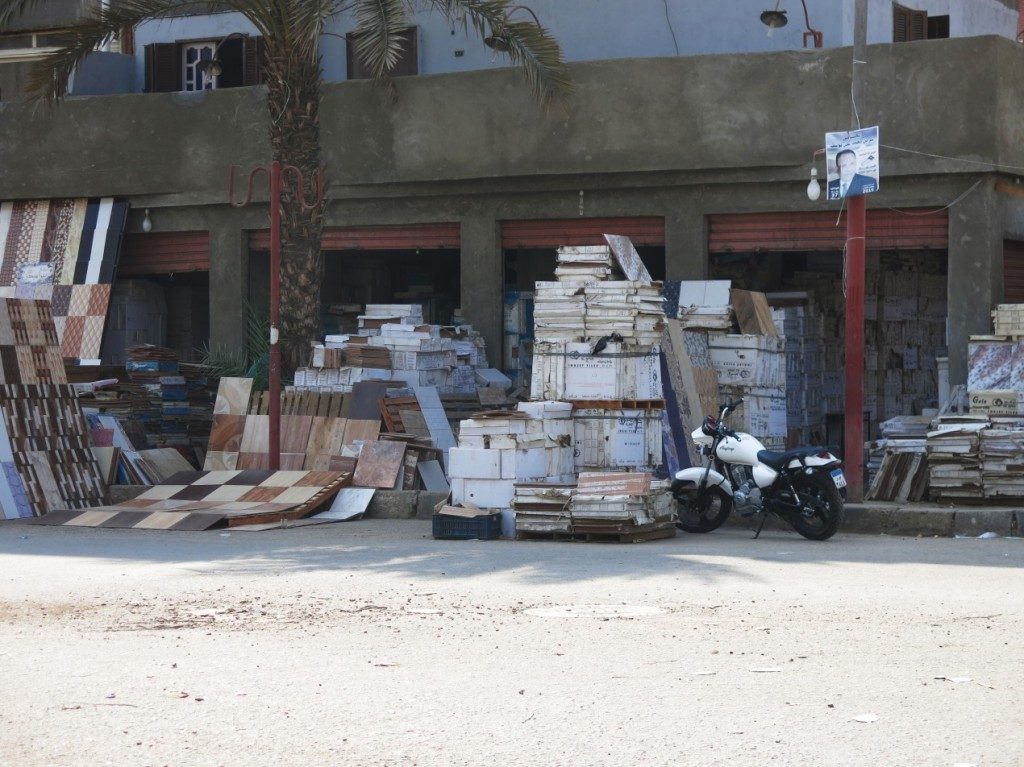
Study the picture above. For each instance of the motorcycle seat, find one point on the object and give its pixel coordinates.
(778, 461)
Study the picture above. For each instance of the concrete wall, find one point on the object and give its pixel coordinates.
(612, 29)
(681, 138)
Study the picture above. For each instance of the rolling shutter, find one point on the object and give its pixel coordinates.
(165, 253)
(1013, 272)
(555, 233)
(818, 230)
(163, 68)
(409, 237)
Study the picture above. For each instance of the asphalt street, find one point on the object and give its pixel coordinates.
(369, 643)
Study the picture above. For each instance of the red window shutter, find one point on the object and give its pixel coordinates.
(408, 59)
(253, 53)
(163, 68)
(164, 253)
(555, 233)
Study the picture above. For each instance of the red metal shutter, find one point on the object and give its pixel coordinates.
(408, 237)
(558, 232)
(1013, 272)
(164, 253)
(163, 68)
(819, 230)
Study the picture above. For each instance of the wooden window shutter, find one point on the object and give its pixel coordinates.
(900, 23)
(918, 25)
(254, 52)
(163, 68)
(408, 61)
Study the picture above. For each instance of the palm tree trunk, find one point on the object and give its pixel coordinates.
(293, 84)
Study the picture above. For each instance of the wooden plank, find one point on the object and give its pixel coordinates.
(614, 483)
(379, 464)
(752, 313)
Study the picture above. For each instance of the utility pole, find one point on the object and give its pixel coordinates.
(856, 228)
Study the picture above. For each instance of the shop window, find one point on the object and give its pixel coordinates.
(408, 58)
(909, 25)
(178, 66)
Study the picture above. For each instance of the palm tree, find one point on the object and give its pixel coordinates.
(292, 30)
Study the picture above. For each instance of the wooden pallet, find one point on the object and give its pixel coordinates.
(653, 534)
(391, 411)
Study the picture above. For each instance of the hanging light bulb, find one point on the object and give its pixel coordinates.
(813, 187)
(147, 223)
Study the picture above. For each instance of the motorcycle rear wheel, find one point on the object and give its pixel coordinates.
(828, 508)
(703, 512)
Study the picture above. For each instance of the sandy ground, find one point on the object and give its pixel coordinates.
(369, 643)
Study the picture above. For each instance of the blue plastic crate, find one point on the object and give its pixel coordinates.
(484, 527)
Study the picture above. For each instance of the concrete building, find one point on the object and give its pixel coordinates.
(462, 189)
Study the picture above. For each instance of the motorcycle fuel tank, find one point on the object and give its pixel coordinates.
(742, 450)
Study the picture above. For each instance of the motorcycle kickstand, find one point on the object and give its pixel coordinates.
(764, 517)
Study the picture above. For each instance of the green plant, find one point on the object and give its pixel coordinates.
(250, 361)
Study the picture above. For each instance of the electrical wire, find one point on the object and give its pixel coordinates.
(993, 165)
(671, 29)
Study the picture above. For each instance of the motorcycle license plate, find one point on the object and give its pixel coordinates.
(838, 478)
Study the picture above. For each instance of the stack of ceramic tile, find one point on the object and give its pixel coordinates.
(1008, 320)
(596, 345)
(542, 507)
(1002, 461)
(954, 460)
(800, 326)
(753, 368)
(518, 324)
(378, 315)
(586, 263)
(705, 305)
(621, 504)
(898, 465)
(498, 448)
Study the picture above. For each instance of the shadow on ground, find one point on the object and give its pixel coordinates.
(406, 548)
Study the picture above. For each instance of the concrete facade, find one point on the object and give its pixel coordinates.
(680, 137)
(612, 29)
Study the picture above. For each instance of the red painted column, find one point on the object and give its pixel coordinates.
(275, 315)
(853, 448)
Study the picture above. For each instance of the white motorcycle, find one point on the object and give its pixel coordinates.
(801, 486)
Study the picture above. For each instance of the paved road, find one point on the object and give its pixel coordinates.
(368, 643)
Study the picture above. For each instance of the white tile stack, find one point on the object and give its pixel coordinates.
(705, 305)
(596, 345)
(754, 368)
(394, 344)
(954, 460)
(532, 444)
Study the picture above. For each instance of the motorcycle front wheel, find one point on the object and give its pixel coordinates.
(704, 511)
(819, 492)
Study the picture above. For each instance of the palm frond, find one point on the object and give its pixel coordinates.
(13, 9)
(530, 46)
(378, 43)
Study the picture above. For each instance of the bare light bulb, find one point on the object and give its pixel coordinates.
(813, 187)
(147, 223)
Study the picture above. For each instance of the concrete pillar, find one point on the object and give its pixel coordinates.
(482, 279)
(229, 277)
(686, 242)
(975, 272)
